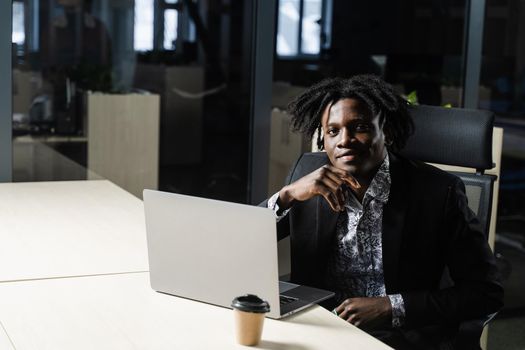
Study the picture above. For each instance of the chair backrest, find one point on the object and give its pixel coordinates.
(452, 136)
(458, 137)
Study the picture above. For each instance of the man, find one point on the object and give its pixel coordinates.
(379, 229)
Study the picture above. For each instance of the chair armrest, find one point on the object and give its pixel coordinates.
(469, 332)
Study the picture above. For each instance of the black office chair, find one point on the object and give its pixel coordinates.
(459, 137)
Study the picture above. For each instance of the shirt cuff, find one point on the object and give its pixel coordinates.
(272, 204)
(398, 310)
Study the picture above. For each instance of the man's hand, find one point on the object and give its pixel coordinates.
(326, 181)
(366, 313)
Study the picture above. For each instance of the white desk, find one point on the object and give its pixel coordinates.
(5, 343)
(58, 229)
(122, 312)
(57, 236)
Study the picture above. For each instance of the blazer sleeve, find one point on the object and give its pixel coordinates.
(477, 291)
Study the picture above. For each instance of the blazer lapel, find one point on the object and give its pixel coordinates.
(394, 214)
(326, 222)
(326, 228)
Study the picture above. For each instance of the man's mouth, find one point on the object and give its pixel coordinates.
(347, 156)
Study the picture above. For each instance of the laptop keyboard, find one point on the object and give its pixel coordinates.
(283, 300)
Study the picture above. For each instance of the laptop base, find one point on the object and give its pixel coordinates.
(301, 297)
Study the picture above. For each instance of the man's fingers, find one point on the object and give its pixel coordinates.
(342, 306)
(327, 181)
(332, 200)
(331, 184)
(348, 313)
(339, 193)
(327, 172)
(345, 176)
(338, 172)
(344, 314)
(338, 203)
(362, 312)
(346, 309)
(356, 322)
(352, 181)
(333, 195)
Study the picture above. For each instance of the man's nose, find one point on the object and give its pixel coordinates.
(347, 136)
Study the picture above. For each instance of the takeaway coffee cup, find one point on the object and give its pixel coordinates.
(248, 313)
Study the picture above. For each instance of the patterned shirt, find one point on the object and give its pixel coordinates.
(356, 266)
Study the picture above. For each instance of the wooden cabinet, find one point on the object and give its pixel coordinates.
(285, 148)
(123, 139)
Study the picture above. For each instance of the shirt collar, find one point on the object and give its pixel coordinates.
(380, 186)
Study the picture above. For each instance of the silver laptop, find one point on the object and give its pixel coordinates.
(213, 251)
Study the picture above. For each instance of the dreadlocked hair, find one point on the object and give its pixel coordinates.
(307, 109)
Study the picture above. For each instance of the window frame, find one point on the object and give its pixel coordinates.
(160, 8)
(324, 34)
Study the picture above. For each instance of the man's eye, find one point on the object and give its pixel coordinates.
(332, 132)
(362, 127)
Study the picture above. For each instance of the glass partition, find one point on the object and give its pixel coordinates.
(145, 93)
(415, 45)
(503, 84)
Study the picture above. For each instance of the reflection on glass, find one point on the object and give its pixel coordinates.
(311, 27)
(170, 29)
(415, 45)
(102, 91)
(502, 90)
(18, 35)
(423, 55)
(288, 28)
(503, 66)
(143, 25)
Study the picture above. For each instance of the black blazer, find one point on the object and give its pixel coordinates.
(427, 225)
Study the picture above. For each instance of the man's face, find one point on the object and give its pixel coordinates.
(353, 138)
